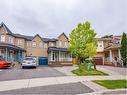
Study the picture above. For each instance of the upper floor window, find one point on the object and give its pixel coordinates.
(33, 44)
(52, 44)
(45, 45)
(28, 44)
(40, 44)
(66, 44)
(60, 43)
(10, 40)
(19, 42)
(100, 44)
(2, 38)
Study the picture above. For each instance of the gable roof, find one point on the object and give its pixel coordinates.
(45, 39)
(28, 37)
(36, 36)
(5, 27)
(63, 34)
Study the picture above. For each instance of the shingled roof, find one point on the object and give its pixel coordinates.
(7, 29)
(24, 36)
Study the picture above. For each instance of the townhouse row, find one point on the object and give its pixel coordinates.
(14, 47)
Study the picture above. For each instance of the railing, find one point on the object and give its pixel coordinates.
(65, 59)
(114, 62)
(120, 61)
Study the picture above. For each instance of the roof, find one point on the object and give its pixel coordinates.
(23, 36)
(63, 34)
(10, 46)
(57, 49)
(49, 40)
(45, 39)
(26, 37)
(8, 30)
(112, 47)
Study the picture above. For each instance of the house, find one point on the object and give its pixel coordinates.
(49, 51)
(108, 51)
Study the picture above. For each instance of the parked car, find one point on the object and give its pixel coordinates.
(29, 62)
(5, 64)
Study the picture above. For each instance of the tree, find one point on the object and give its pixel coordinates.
(83, 42)
(123, 49)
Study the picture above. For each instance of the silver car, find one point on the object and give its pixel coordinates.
(29, 62)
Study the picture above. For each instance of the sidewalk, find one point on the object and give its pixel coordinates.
(24, 83)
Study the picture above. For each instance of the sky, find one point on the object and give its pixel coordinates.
(50, 18)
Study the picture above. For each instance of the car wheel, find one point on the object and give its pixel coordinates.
(22, 67)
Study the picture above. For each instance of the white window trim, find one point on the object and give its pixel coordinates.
(20, 42)
(40, 44)
(2, 38)
(45, 45)
(60, 43)
(34, 44)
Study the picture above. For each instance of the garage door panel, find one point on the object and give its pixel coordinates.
(43, 60)
(98, 60)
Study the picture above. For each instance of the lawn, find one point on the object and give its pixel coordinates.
(112, 84)
(83, 71)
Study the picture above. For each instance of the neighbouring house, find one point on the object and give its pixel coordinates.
(108, 51)
(15, 47)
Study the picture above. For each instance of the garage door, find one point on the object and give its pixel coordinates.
(43, 60)
(98, 60)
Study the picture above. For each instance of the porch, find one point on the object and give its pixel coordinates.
(59, 56)
(112, 57)
(11, 53)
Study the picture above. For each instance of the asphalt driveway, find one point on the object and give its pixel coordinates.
(39, 72)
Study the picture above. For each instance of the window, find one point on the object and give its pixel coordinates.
(40, 44)
(19, 42)
(11, 40)
(60, 43)
(45, 45)
(33, 44)
(28, 44)
(52, 44)
(53, 56)
(2, 38)
(66, 44)
(99, 44)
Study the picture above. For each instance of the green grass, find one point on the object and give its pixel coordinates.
(84, 72)
(112, 84)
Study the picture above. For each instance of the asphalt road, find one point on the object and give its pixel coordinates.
(59, 89)
(29, 73)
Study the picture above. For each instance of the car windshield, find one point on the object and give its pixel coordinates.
(29, 59)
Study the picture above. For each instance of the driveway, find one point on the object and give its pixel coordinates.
(39, 72)
(113, 70)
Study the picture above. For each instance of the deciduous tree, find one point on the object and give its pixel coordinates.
(82, 41)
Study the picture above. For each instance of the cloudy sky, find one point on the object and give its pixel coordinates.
(49, 18)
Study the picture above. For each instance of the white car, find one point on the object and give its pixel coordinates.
(29, 62)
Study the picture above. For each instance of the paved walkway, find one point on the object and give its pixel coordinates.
(25, 83)
(67, 70)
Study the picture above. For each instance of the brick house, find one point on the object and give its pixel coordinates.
(14, 47)
(108, 51)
